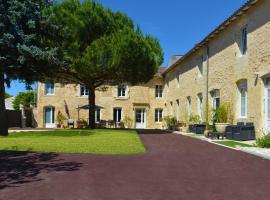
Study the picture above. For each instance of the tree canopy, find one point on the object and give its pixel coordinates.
(24, 98)
(23, 53)
(102, 46)
(7, 95)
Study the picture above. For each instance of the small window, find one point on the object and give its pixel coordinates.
(178, 110)
(243, 41)
(200, 66)
(122, 91)
(84, 91)
(178, 80)
(158, 115)
(49, 88)
(215, 99)
(97, 115)
(158, 91)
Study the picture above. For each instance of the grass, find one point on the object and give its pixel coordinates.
(233, 144)
(98, 141)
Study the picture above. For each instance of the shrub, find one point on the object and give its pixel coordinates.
(128, 122)
(223, 114)
(194, 119)
(60, 118)
(171, 122)
(263, 142)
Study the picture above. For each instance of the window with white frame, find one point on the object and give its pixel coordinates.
(158, 91)
(215, 99)
(49, 88)
(84, 92)
(97, 115)
(121, 91)
(158, 115)
(200, 66)
(243, 40)
(178, 110)
(200, 104)
(242, 87)
(189, 106)
(117, 114)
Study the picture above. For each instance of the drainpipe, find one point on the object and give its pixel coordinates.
(207, 85)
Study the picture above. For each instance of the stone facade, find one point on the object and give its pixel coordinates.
(67, 97)
(217, 69)
(225, 68)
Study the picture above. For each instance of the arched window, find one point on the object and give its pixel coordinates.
(242, 88)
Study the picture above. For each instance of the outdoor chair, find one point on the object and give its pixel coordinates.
(197, 128)
(240, 133)
(70, 122)
(102, 124)
(111, 124)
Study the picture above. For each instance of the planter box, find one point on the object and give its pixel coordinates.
(221, 127)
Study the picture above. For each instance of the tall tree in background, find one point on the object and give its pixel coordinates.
(23, 55)
(102, 47)
(24, 98)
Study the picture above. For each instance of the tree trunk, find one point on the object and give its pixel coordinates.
(3, 114)
(92, 107)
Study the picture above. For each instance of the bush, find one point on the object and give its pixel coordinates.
(128, 122)
(60, 118)
(223, 114)
(263, 142)
(194, 119)
(171, 122)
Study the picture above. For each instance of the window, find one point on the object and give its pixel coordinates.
(49, 88)
(178, 80)
(121, 91)
(117, 114)
(158, 115)
(178, 110)
(171, 110)
(215, 99)
(83, 91)
(200, 66)
(243, 41)
(97, 115)
(200, 103)
(242, 86)
(189, 106)
(158, 91)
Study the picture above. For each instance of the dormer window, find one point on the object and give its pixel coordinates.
(122, 91)
(158, 91)
(49, 88)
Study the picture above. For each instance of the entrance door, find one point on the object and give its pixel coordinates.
(267, 107)
(140, 115)
(49, 117)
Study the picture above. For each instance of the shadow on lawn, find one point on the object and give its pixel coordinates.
(23, 167)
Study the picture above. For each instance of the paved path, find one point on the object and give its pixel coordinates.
(175, 167)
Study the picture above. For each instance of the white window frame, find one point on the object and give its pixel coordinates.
(189, 106)
(200, 105)
(159, 91)
(96, 111)
(52, 89)
(242, 87)
(121, 111)
(215, 95)
(122, 91)
(158, 115)
(85, 92)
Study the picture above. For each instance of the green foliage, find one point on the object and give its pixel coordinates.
(24, 98)
(233, 144)
(194, 119)
(223, 114)
(128, 122)
(7, 95)
(171, 122)
(263, 142)
(98, 141)
(60, 118)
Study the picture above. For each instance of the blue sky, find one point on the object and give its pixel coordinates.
(178, 24)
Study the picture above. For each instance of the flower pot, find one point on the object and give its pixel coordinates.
(221, 127)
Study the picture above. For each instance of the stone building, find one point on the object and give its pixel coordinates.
(232, 64)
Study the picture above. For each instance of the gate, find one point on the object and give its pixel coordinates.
(14, 118)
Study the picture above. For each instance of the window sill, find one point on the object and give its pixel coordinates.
(121, 98)
(49, 95)
(83, 97)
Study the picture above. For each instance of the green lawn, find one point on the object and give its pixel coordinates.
(233, 144)
(99, 141)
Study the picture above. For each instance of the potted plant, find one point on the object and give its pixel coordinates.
(221, 117)
(60, 118)
(193, 120)
(171, 122)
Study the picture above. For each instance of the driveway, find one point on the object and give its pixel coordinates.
(174, 168)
